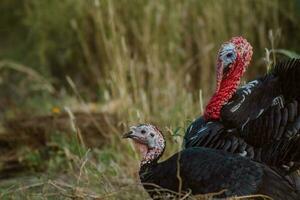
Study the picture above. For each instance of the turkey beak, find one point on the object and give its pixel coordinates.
(128, 135)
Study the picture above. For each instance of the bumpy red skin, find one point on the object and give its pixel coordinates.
(227, 85)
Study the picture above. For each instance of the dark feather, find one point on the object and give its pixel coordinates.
(205, 170)
(265, 117)
(288, 78)
(269, 112)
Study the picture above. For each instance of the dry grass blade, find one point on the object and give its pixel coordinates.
(28, 71)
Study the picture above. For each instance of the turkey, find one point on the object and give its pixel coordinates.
(265, 114)
(260, 120)
(200, 170)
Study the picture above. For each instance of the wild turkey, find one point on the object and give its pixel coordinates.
(260, 120)
(202, 170)
(272, 125)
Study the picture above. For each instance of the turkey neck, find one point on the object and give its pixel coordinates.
(149, 162)
(228, 87)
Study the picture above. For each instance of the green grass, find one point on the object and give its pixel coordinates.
(144, 61)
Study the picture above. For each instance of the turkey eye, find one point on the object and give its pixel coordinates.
(143, 131)
(229, 55)
(152, 134)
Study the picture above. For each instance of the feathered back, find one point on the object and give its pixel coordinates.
(288, 73)
(281, 85)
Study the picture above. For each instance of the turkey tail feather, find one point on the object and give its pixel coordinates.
(288, 73)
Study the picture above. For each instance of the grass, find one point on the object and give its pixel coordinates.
(143, 61)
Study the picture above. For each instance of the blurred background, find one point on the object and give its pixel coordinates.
(74, 74)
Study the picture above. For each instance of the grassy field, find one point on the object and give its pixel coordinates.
(131, 61)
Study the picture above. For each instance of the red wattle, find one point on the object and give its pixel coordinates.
(228, 83)
(226, 90)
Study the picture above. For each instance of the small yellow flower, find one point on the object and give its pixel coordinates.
(55, 110)
(93, 107)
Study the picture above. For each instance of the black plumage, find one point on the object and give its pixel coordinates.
(215, 135)
(200, 170)
(263, 116)
(269, 118)
(258, 96)
(205, 170)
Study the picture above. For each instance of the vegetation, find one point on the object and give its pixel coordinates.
(137, 60)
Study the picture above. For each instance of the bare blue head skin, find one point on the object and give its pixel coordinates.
(148, 140)
(227, 55)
